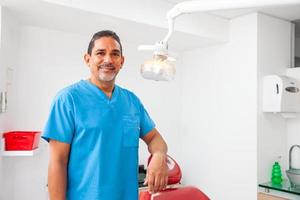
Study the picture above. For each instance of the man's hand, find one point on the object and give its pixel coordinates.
(157, 173)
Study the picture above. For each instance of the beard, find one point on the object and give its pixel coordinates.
(107, 72)
(106, 77)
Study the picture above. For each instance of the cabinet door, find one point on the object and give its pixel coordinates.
(263, 196)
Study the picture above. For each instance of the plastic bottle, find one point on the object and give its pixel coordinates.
(276, 174)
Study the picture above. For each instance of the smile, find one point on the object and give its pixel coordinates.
(107, 69)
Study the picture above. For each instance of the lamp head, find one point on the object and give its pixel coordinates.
(161, 67)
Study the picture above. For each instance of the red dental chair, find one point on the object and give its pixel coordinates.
(174, 193)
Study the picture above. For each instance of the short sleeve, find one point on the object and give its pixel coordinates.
(60, 123)
(146, 123)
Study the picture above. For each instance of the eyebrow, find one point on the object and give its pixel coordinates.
(114, 50)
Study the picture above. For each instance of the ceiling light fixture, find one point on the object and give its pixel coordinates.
(161, 67)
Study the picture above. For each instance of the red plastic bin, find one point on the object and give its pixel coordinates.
(21, 140)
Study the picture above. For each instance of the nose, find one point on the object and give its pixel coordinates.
(107, 58)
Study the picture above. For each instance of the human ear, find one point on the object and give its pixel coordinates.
(122, 61)
(86, 58)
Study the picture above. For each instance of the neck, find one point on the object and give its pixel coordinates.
(106, 87)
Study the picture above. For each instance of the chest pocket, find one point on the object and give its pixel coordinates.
(131, 131)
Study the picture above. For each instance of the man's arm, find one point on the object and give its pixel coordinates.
(57, 171)
(157, 174)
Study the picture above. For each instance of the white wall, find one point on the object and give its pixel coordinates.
(44, 64)
(49, 60)
(1, 115)
(274, 54)
(8, 55)
(2, 78)
(228, 142)
(293, 126)
(219, 91)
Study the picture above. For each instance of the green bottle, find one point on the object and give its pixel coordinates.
(276, 174)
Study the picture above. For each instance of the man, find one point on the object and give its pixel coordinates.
(93, 131)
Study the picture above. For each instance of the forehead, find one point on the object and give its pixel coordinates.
(107, 43)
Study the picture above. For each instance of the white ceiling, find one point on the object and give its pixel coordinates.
(285, 12)
(39, 13)
(50, 15)
(174, 1)
(291, 13)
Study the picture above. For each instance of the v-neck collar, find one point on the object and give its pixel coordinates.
(101, 94)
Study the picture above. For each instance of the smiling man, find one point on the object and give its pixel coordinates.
(93, 132)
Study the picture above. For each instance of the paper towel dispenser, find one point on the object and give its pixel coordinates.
(281, 94)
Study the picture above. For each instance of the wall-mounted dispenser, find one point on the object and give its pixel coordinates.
(281, 94)
(4, 94)
(3, 102)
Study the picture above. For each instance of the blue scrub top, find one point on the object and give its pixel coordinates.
(104, 137)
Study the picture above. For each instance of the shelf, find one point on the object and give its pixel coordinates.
(16, 153)
(284, 187)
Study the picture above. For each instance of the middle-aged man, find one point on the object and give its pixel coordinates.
(93, 131)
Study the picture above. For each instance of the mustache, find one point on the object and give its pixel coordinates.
(107, 66)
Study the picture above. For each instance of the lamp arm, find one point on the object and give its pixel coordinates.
(211, 5)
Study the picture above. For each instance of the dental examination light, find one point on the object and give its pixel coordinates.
(161, 67)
